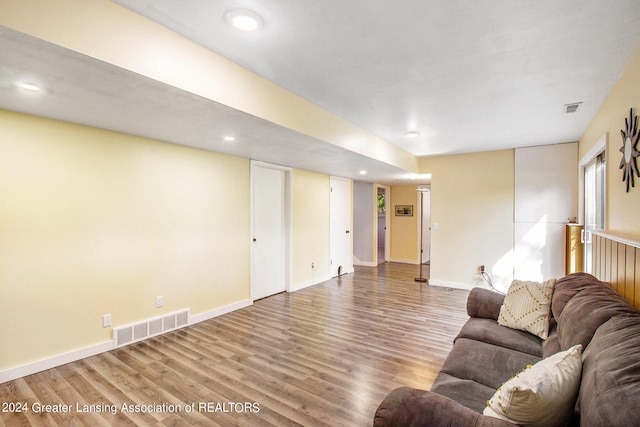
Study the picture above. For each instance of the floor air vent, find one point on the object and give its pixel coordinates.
(151, 327)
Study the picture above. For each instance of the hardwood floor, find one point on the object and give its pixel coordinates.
(323, 356)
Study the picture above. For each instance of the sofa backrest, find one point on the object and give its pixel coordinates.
(581, 304)
(610, 388)
(591, 313)
(567, 287)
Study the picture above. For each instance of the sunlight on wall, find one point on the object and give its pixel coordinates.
(529, 260)
(472, 203)
(529, 250)
(502, 272)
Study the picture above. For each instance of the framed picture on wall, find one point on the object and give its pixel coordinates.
(404, 210)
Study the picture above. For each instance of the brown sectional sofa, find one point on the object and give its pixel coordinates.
(485, 355)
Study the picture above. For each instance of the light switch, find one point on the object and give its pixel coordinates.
(106, 320)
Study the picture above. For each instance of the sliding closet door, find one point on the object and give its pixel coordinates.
(546, 199)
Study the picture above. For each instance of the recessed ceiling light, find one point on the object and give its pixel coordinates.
(243, 19)
(31, 87)
(412, 134)
(363, 172)
(229, 138)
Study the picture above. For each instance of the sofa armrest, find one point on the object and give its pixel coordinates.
(409, 407)
(484, 303)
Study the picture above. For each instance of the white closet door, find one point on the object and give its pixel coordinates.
(269, 219)
(340, 226)
(546, 196)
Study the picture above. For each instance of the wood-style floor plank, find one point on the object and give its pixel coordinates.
(323, 356)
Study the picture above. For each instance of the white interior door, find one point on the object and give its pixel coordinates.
(269, 232)
(340, 227)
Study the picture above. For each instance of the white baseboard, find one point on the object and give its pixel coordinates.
(219, 311)
(454, 285)
(404, 261)
(74, 355)
(51, 362)
(365, 263)
(356, 261)
(306, 284)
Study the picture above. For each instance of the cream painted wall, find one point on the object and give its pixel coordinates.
(310, 228)
(472, 202)
(109, 32)
(95, 222)
(404, 229)
(622, 207)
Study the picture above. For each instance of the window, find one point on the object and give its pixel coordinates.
(594, 204)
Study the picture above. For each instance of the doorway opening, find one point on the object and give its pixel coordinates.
(424, 236)
(383, 224)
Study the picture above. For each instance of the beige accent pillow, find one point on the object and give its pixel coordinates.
(541, 395)
(527, 307)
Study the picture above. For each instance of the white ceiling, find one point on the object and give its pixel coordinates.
(80, 89)
(469, 76)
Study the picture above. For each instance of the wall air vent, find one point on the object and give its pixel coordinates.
(139, 331)
(572, 108)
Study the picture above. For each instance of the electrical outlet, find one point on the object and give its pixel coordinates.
(106, 320)
(159, 301)
(313, 265)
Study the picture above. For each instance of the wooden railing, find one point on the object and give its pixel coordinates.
(616, 261)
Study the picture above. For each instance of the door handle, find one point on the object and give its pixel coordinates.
(348, 232)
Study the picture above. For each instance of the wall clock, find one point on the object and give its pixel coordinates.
(629, 151)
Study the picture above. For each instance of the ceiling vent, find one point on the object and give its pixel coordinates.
(572, 108)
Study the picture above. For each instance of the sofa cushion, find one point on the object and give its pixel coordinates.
(469, 393)
(586, 311)
(409, 407)
(527, 307)
(551, 345)
(610, 389)
(542, 395)
(489, 331)
(485, 363)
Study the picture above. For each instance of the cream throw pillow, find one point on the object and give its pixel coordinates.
(527, 307)
(541, 395)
